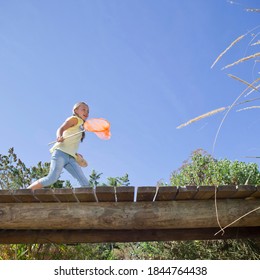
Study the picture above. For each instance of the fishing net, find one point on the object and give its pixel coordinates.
(100, 127)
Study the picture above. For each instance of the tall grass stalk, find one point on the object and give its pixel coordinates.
(213, 112)
(228, 48)
(232, 44)
(253, 10)
(248, 108)
(242, 60)
(222, 229)
(224, 118)
(250, 85)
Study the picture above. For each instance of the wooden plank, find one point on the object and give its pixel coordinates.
(257, 193)
(145, 193)
(244, 191)
(187, 192)
(45, 195)
(205, 192)
(6, 196)
(105, 194)
(166, 193)
(128, 215)
(85, 194)
(65, 195)
(226, 191)
(24, 195)
(125, 193)
(101, 236)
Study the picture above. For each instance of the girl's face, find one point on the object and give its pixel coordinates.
(82, 111)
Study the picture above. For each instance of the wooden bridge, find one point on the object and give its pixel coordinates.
(128, 214)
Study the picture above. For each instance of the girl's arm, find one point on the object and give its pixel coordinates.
(70, 122)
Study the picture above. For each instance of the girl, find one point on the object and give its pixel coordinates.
(65, 150)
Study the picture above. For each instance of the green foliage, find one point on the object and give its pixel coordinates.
(101, 251)
(15, 175)
(125, 180)
(171, 250)
(94, 178)
(13, 172)
(202, 169)
(190, 250)
(118, 181)
(111, 181)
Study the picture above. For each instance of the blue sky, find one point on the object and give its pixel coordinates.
(142, 64)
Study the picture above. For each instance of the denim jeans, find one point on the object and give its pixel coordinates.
(60, 160)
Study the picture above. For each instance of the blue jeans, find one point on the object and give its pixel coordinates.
(60, 160)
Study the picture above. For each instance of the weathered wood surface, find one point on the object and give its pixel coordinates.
(128, 215)
(111, 194)
(108, 214)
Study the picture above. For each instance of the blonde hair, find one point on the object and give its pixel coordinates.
(76, 106)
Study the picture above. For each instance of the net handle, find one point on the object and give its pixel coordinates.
(53, 142)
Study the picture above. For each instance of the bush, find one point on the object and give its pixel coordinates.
(202, 169)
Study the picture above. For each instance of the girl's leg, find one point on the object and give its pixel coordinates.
(75, 170)
(58, 161)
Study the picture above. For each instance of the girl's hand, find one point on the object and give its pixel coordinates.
(60, 139)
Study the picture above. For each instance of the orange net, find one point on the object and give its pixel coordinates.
(100, 127)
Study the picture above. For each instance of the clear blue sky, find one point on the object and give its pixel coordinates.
(142, 64)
